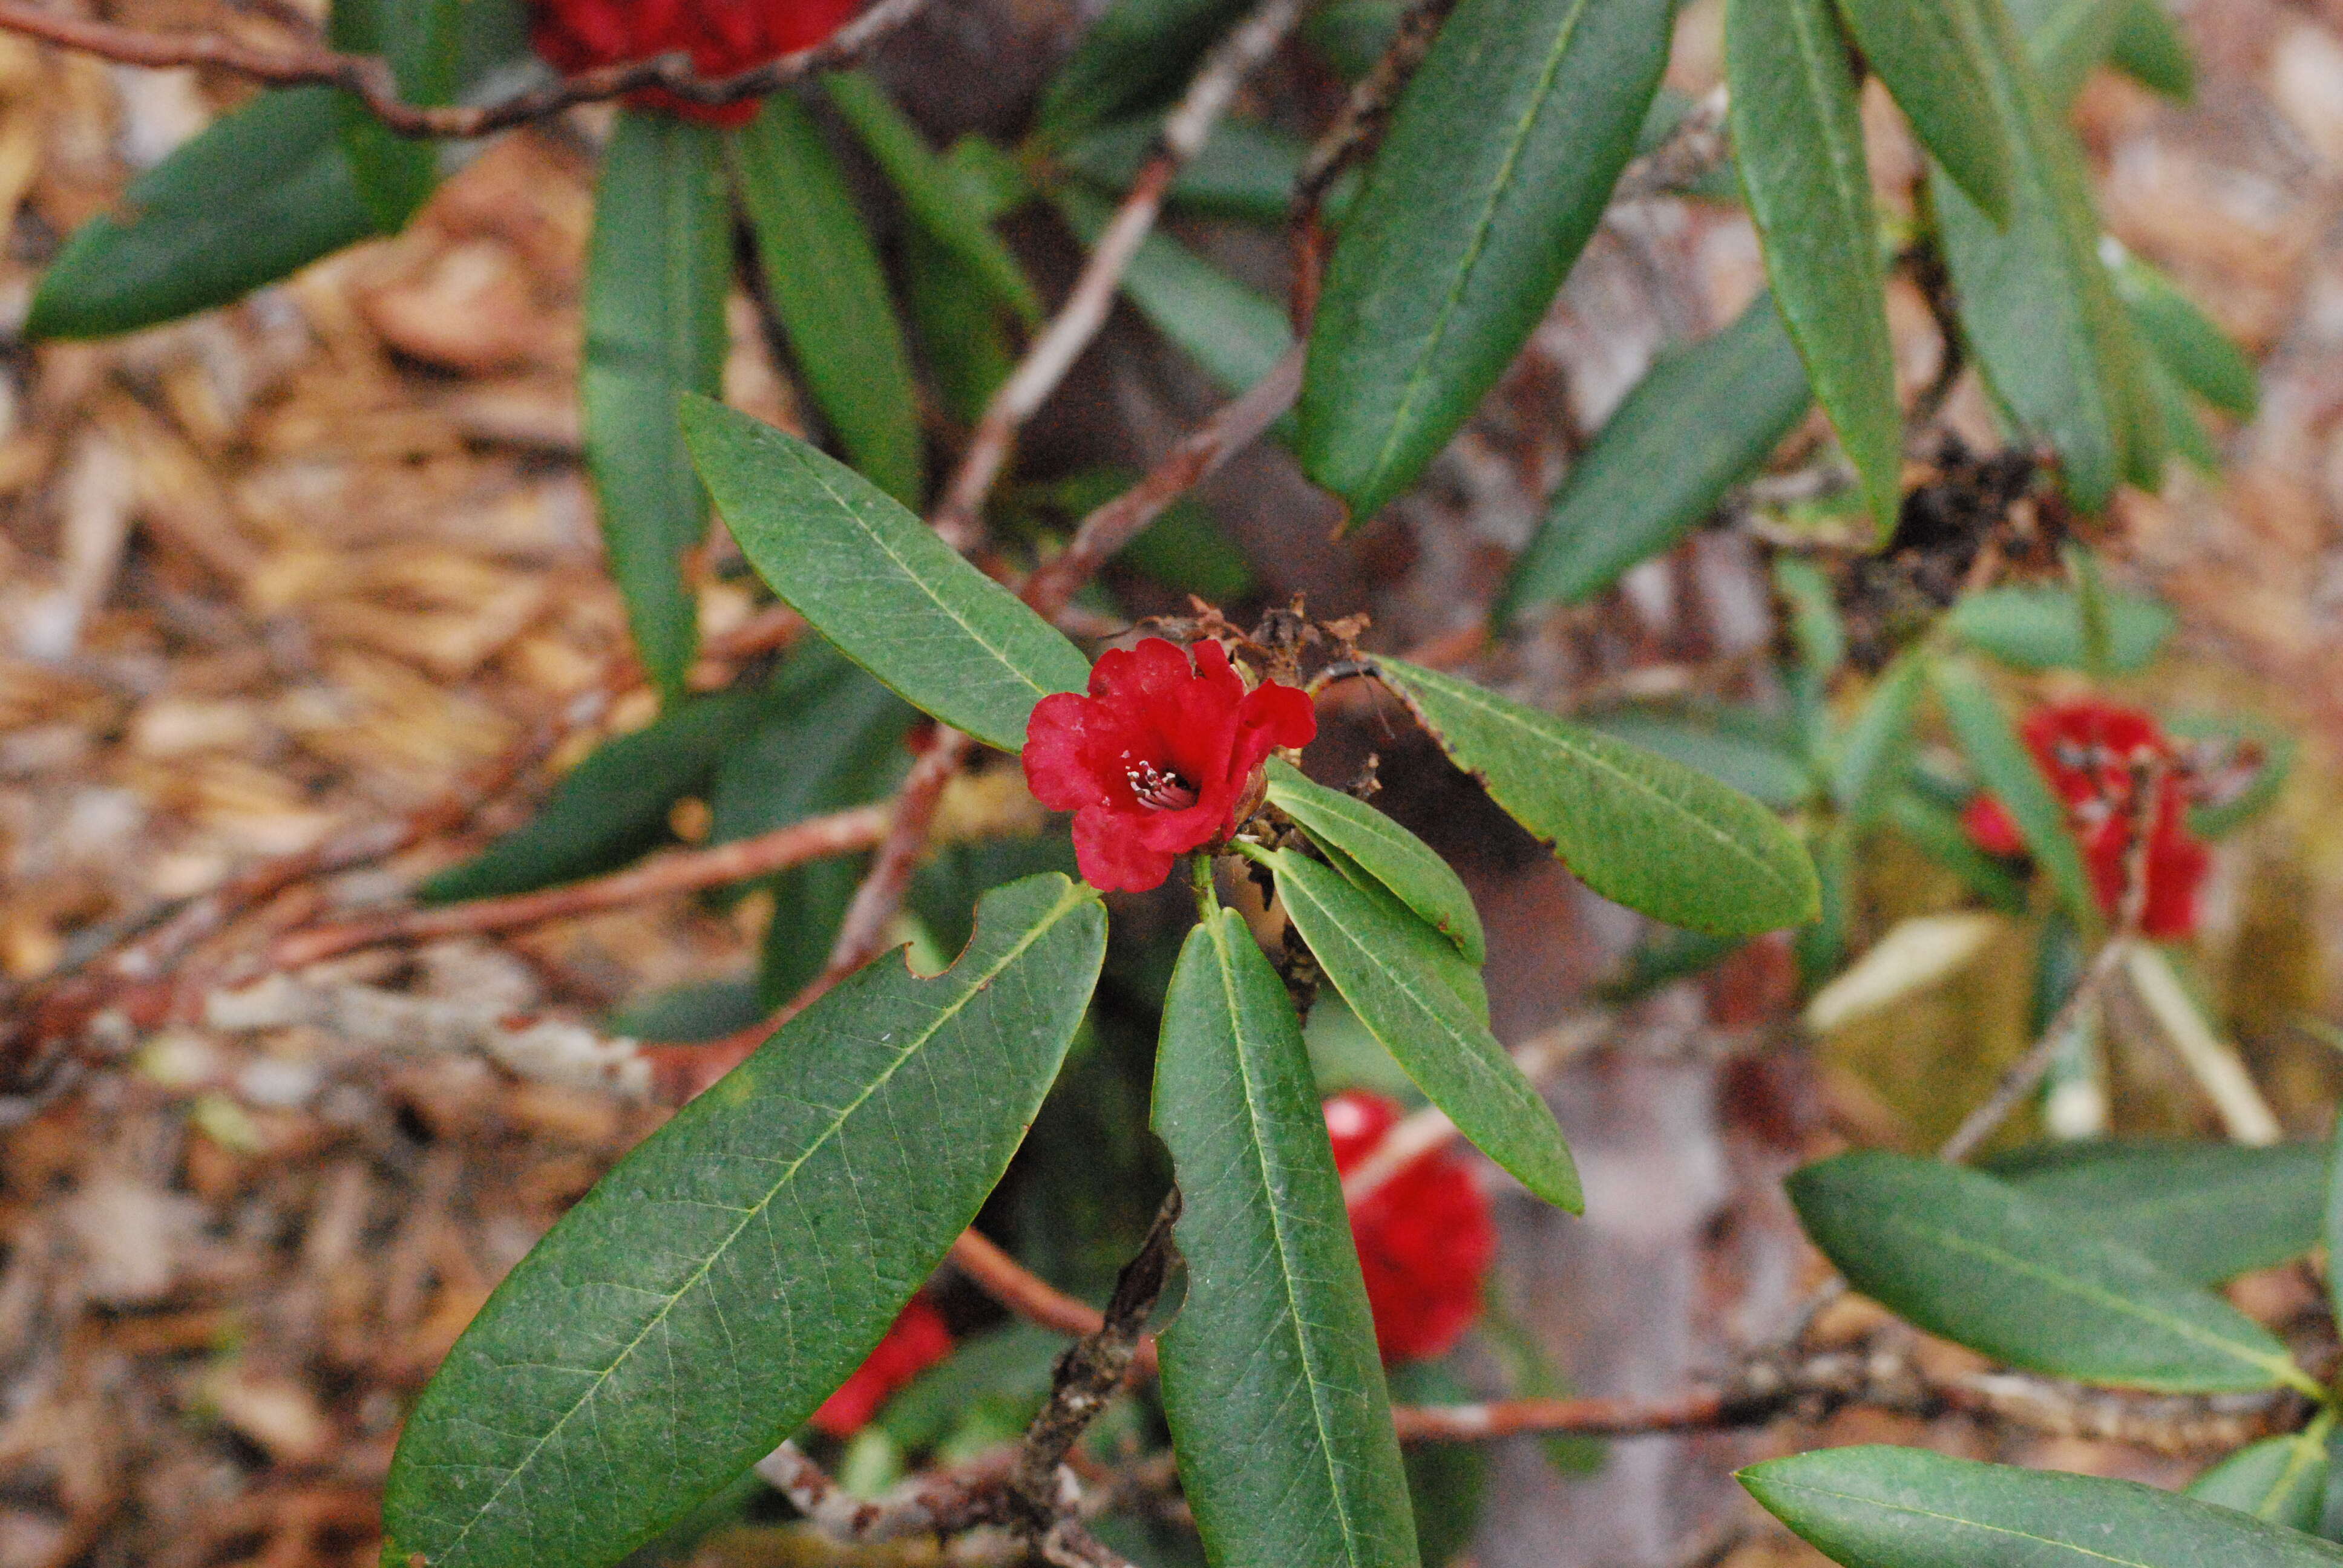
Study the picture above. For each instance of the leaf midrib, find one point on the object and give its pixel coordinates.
(1956, 1519)
(2084, 1290)
(1255, 1122)
(1466, 694)
(1074, 896)
(1420, 376)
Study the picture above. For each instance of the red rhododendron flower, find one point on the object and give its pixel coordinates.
(2092, 753)
(1160, 759)
(722, 36)
(1424, 1237)
(916, 1340)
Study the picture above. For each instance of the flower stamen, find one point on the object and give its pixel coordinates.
(1159, 788)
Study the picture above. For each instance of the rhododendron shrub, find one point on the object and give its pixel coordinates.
(723, 37)
(1424, 1234)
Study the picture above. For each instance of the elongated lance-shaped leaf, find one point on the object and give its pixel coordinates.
(1383, 849)
(1871, 1507)
(878, 582)
(1762, 762)
(656, 277)
(266, 189)
(420, 39)
(2006, 771)
(2148, 49)
(822, 275)
(1930, 56)
(1431, 946)
(1365, 947)
(2036, 306)
(2039, 626)
(1701, 419)
(2066, 40)
(1271, 1382)
(2205, 1211)
(1648, 832)
(2281, 1479)
(1797, 141)
(2183, 336)
(1979, 1262)
(1245, 170)
(1872, 753)
(1502, 154)
(709, 1291)
(1134, 56)
(931, 191)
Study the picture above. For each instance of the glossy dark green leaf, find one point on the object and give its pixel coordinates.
(2185, 338)
(879, 583)
(2281, 1479)
(1878, 1507)
(396, 175)
(2039, 626)
(1936, 832)
(1232, 332)
(1246, 169)
(2036, 306)
(1797, 140)
(1394, 857)
(1500, 159)
(1652, 834)
(263, 192)
(1931, 58)
(1756, 765)
(822, 275)
(2006, 769)
(2066, 40)
(1383, 972)
(1700, 420)
(2148, 49)
(1270, 1382)
(827, 737)
(1870, 754)
(1978, 1261)
(931, 193)
(2206, 1212)
(696, 1306)
(656, 277)
(1135, 55)
(964, 331)
(609, 808)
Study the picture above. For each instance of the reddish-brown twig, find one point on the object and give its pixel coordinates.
(1078, 320)
(368, 77)
(685, 870)
(1032, 1298)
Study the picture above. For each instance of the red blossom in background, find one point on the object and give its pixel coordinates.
(1424, 1237)
(2092, 753)
(722, 36)
(1160, 759)
(916, 1340)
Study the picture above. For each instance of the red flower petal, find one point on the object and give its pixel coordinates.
(1426, 1239)
(915, 1341)
(722, 37)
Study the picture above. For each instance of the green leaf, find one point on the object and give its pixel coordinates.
(1351, 35)
(1646, 832)
(2066, 40)
(1386, 852)
(1501, 157)
(878, 582)
(2148, 49)
(1977, 1261)
(1270, 1382)
(2192, 441)
(1797, 139)
(1871, 751)
(2006, 768)
(822, 275)
(1873, 1507)
(264, 191)
(1930, 56)
(1756, 765)
(1384, 974)
(1936, 832)
(2333, 1225)
(396, 175)
(1246, 170)
(1701, 419)
(688, 1014)
(2184, 337)
(2206, 1212)
(2036, 306)
(609, 808)
(1135, 55)
(696, 1306)
(1234, 334)
(2281, 1479)
(964, 330)
(2039, 626)
(932, 191)
(656, 276)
